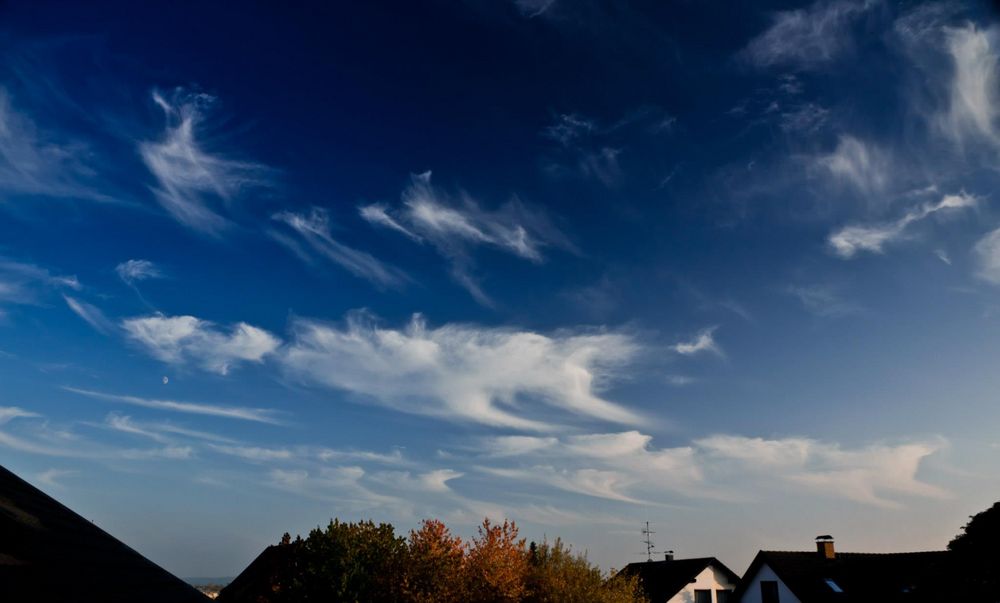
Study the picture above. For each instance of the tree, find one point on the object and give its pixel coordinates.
(496, 564)
(978, 556)
(434, 562)
(557, 575)
(348, 562)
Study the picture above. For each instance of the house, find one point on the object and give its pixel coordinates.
(825, 575)
(700, 580)
(49, 553)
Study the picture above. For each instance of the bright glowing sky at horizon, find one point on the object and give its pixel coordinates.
(580, 264)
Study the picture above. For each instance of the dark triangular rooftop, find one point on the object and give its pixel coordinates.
(858, 577)
(663, 579)
(49, 553)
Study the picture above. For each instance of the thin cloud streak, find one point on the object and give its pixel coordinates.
(852, 240)
(259, 415)
(314, 230)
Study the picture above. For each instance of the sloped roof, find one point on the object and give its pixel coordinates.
(884, 577)
(664, 579)
(256, 581)
(49, 553)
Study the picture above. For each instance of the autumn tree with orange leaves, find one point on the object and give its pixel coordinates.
(434, 565)
(497, 563)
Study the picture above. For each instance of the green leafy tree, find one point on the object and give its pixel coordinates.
(346, 562)
(557, 575)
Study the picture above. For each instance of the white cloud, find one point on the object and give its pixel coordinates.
(851, 240)
(860, 164)
(314, 230)
(866, 475)
(34, 163)
(987, 256)
(254, 453)
(463, 372)
(183, 339)
(455, 227)
(704, 341)
(974, 101)
(24, 283)
(260, 415)
(38, 437)
(133, 271)
(51, 477)
(7, 413)
(627, 467)
(190, 177)
(807, 37)
(90, 314)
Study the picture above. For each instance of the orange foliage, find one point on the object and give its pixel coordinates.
(497, 563)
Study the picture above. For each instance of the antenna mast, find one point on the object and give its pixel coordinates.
(648, 541)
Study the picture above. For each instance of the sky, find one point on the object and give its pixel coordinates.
(729, 268)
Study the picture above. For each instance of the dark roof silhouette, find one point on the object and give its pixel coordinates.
(49, 553)
(663, 579)
(883, 577)
(255, 582)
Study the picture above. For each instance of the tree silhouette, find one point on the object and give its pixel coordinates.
(978, 555)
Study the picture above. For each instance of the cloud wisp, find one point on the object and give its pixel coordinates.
(24, 283)
(259, 415)
(185, 339)
(313, 229)
(703, 342)
(34, 163)
(807, 38)
(455, 227)
(626, 467)
(493, 376)
(134, 271)
(849, 241)
(192, 181)
(90, 314)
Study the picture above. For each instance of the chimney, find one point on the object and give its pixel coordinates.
(824, 546)
(668, 556)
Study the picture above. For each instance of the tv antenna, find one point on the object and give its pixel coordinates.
(647, 539)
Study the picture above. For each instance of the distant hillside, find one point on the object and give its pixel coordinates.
(49, 553)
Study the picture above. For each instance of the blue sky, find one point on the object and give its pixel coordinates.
(730, 270)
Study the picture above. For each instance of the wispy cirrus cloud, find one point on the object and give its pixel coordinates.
(90, 314)
(986, 253)
(133, 271)
(806, 38)
(493, 376)
(824, 300)
(259, 415)
(192, 181)
(867, 475)
(860, 164)
(313, 229)
(454, 227)
(972, 112)
(703, 342)
(186, 339)
(626, 467)
(25, 283)
(34, 162)
(35, 435)
(852, 240)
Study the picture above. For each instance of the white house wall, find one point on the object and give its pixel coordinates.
(709, 579)
(752, 594)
